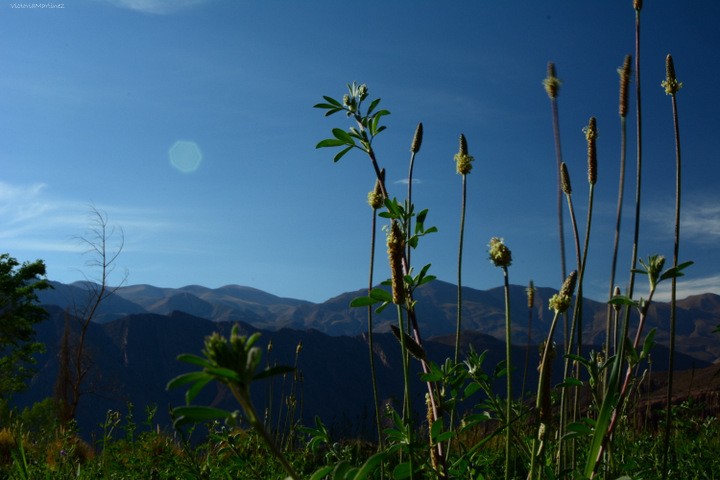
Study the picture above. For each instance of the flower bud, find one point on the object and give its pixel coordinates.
(417, 139)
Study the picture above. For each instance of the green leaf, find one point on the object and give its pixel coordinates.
(330, 142)
(648, 344)
(194, 359)
(341, 134)
(342, 153)
(197, 414)
(369, 466)
(195, 389)
(332, 100)
(362, 302)
(322, 473)
(224, 373)
(273, 371)
(324, 105)
(622, 300)
(381, 295)
(372, 106)
(401, 471)
(571, 382)
(186, 378)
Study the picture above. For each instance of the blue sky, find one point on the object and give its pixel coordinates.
(94, 95)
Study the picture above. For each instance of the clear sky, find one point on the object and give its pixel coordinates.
(96, 95)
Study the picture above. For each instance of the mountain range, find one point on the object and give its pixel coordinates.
(141, 329)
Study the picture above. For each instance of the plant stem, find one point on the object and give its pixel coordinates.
(508, 365)
(371, 352)
(407, 405)
(458, 326)
(673, 292)
(243, 399)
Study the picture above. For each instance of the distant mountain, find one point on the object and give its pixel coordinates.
(483, 311)
(135, 356)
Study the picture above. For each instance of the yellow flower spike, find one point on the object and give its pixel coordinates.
(670, 84)
(551, 82)
(500, 254)
(463, 161)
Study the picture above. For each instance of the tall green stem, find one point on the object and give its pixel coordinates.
(508, 368)
(458, 325)
(371, 352)
(673, 85)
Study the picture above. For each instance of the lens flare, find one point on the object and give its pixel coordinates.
(185, 156)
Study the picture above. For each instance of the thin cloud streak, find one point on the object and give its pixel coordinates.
(158, 7)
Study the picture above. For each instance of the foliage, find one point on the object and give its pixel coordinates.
(19, 313)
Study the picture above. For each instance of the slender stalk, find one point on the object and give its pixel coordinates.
(624, 72)
(671, 87)
(254, 421)
(375, 199)
(508, 376)
(638, 117)
(458, 326)
(530, 291)
(407, 406)
(567, 189)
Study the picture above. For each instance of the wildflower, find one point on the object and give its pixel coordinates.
(463, 161)
(560, 302)
(376, 199)
(395, 248)
(551, 83)
(670, 84)
(417, 139)
(500, 254)
(530, 291)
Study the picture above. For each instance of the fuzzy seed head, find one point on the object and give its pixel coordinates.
(551, 82)
(565, 179)
(560, 302)
(591, 137)
(463, 161)
(417, 139)
(568, 286)
(624, 73)
(395, 250)
(499, 254)
(376, 197)
(670, 84)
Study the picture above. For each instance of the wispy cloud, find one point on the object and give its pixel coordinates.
(405, 181)
(35, 221)
(699, 222)
(158, 7)
(686, 287)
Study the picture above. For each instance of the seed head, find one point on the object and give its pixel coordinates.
(591, 136)
(530, 291)
(376, 199)
(395, 250)
(417, 139)
(463, 161)
(560, 302)
(551, 82)
(565, 179)
(500, 254)
(637, 5)
(624, 73)
(670, 84)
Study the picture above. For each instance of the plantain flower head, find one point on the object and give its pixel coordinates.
(500, 254)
